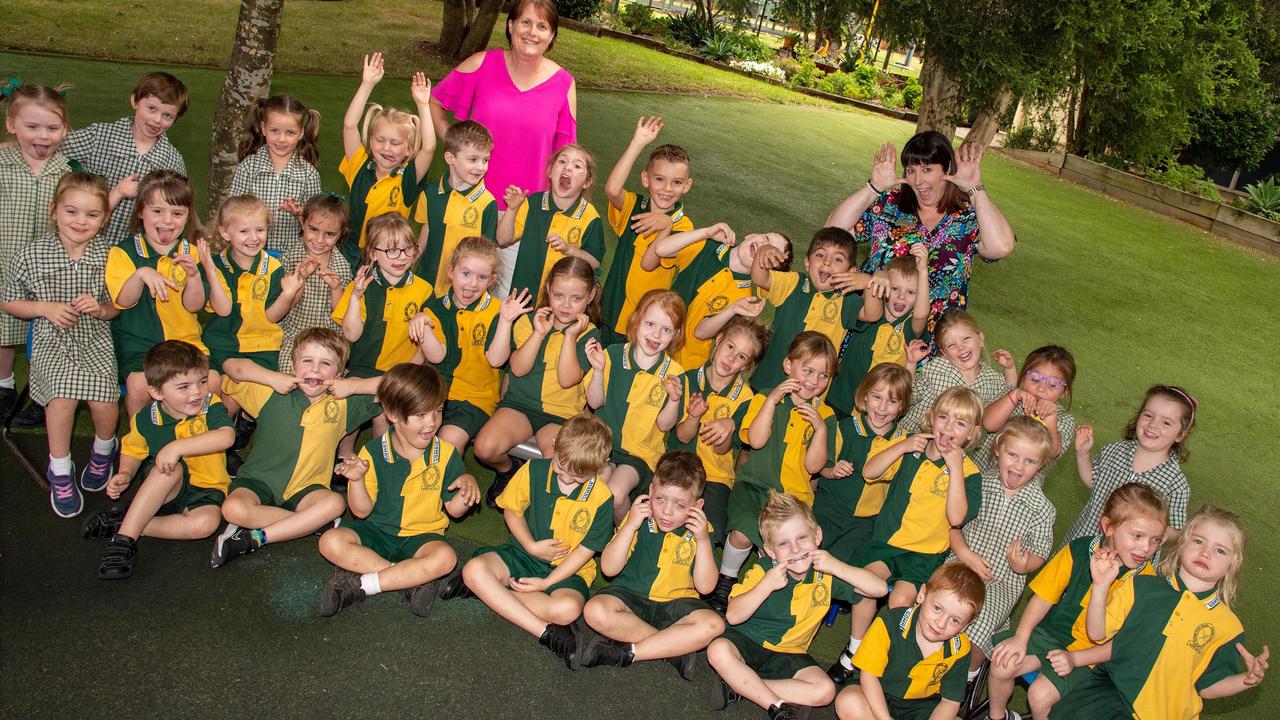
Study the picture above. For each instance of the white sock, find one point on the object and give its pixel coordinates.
(845, 659)
(973, 674)
(732, 560)
(370, 583)
(61, 466)
(7, 382)
(104, 447)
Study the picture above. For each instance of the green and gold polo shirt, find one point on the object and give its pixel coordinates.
(708, 286)
(409, 495)
(788, 619)
(779, 465)
(799, 306)
(451, 214)
(151, 320)
(659, 564)
(580, 226)
(914, 515)
(386, 309)
(539, 389)
(627, 282)
(252, 291)
(840, 500)
(633, 397)
(151, 428)
(868, 345)
(891, 652)
(372, 196)
(731, 403)
(468, 332)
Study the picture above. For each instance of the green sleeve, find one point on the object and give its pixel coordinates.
(601, 531)
(493, 329)
(593, 240)
(360, 409)
(489, 221)
(273, 286)
(841, 590)
(851, 306)
(216, 417)
(410, 188)
(955, 681)
(973, 493)
(453, 470)
(1224, 663)
(582, 349)
(831, 438)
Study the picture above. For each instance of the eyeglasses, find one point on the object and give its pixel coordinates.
(397, 252)
(1049, 381)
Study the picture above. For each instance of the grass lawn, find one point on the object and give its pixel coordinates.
(1138, 299)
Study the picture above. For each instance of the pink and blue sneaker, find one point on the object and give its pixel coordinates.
(96, 474)
(64, 496)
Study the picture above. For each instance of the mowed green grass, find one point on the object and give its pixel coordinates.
(1138, 299)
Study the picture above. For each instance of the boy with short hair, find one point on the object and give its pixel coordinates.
(457, 205)
(639, 220)
(914, 660)
(776, 611)
(131, 147)
(560, 514)
(282, 491)
(401, 485)
(661, 559)
(186, 430)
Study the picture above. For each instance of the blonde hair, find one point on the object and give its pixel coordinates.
(49, 98)
(1027, 429)
(672, 304)
(954, 319)
(957, 401)
(1229, 585)
(811, 344)
(478, 247)
(758, 335)
(1133, 500)
(375, 113)
(587, 156)
(237, 206)
(891, 374)
(583, 445)
(904, 265)
(391, 227)
(95, 185)
(780, 508)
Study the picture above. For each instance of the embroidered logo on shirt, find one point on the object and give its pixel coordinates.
(477, 334)
(684, 552)
(939, 672)
(716, 304)
(720, 413)
(1202, 636)
(657, 394)
(260, 289)
(575, 237)
(820, 596)
(940, 485)
(410, 309)
(470, 218)
(829, 311)
(430, 479)
(198, 425)
(331, 411)
(393, 200)
(580, 522)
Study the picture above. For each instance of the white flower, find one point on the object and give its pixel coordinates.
(759, 68)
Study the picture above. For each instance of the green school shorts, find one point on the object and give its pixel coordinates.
(267, 495)
(659, 615)
(621, 457)
(536, 417)
(846, 539)
(768, 664)
(1038, 646)
(746, 500)
(521, 564)
(392, 548)
(911, 567)
(269, 359)
(190, 497)
(463, 414)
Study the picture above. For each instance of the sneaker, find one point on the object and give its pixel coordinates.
(32, 416)
(338, 483)
(421, 598)
(1009, 714)
(102, 524)
(722, 696)
(561, 640)
(600, 650)
(98, 471)
(453, 588)
(244, 427)
(719, 598)
(500, 481)
(342, 590)
(784, 711)
(8, 396)
(64, 496)
(684, 664)
(840, 674)
(233, 542)
(117, 560)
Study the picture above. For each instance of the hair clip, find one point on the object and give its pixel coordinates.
(343, 198)
(9, 87)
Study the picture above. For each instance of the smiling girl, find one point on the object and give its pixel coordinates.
(326, 273)
(1044, 383)
(278, 159)
(959, 363)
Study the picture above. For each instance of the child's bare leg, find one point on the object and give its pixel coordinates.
(347, 446)
(242, 507)
(105, 417)
(728, 663)
(59, 417)
(851, 704)
(622, 479)
(690, 633)
(506, 429)
(190, 524)
(903, 594)
(1000, 684)
(1042, 696)
(380, 425)
(8, 357)
(487, 576)
(317, 509)
(341, 546)
(976, 657)
(135, 393)
(229, 403)
(455, 436)
(864, 611)
(561, 607)
(810, 687)
(156, 490)
(546, 439)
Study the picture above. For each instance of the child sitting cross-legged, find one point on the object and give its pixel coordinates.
(662, 560)
(401, 485)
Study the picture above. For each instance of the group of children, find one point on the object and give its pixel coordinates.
(664, 418)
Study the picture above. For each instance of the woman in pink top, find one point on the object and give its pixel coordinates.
(528, 103)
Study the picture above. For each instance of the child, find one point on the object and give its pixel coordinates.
(467, 334)
(661, 559)
(914, 658)
(1046, 378)
(282, 491)
(936, 488)
(553, 224)
(716, 397)
(57, 280)
(558, 513)
(717, 283)
(635, 389)
(385, 156)
(400, 488)
(638, 220)
(133, 147)
(458, 206)
(845, 502)
(154, 281)
(1133, 523)
(960, 342)
(1152, 453)
(1012, 535)
(548, 357)
(1174, 638)
(776, 610)
(790, 433)
(894, 313)
(327, 273)
(186, 431)
(812, 300)
(278, 159)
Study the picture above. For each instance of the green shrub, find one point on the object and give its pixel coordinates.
(578, 9)
(747, 46)
(639, 19)
(1187, 178)
(1030, 136)
(836, 83)
(806, 76)
(691, 30)
(1022, 137)
(911, 93)
(720, 47)
(891, 98)
(1264, 198)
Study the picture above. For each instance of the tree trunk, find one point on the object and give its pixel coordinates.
(940, 103)
(1080, 137)
(987, 124)
(468, 25)
(248, 80)
(1072, 104)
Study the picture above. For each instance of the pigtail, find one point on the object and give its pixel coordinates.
(372, 112)
(309, 145)
(253, 139)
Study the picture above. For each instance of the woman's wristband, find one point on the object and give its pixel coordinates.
(873, 188)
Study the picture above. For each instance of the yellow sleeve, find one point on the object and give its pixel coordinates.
(1119, 603)
(370, 475)
(341, 310)
(436, 329)
(522, 216)
(521, 331)
(133, 444)
(608, 365)
(753, 578)
(781, 285)
(251, 396)
(685, 257)
(516, 497)
(873, 654)
(1051, 581)
(226, 288)
(119, 269)
(618, 217)
(351, 165)
(757, 403)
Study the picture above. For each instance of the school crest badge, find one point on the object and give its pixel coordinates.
(478, 332)
(410, 309)
(716, 304)
(430, 479)
(575, 237)
(331, 411)
(580, 521)
(829, 311)
(684, 552)
(657, 394)
(820, 596)
(260, 289)
(1203, 635)
(471, 218)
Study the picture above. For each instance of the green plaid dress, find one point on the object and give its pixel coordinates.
(313, 308)
(76, 362)
(109, 150)
(255, 175)
(24, 216)
(936, 376)
(1114, 467)
(985, 456)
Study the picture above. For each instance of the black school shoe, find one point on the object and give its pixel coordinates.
(117, 560)
(500, 481)
(31, 416)
(233, 542)
(787, 711)
(422, 597)
(8, 396)
(840, 674)
(102, 524)
(561, 640)
(342, 590)
(684, 664)
(722, 696)
(600, 650)
(719, 598)
(244, 427)
(453, 588)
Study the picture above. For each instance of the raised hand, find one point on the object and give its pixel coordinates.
(514, 197)
(420, 89)
(647, 129)
(697, 524)
(809, 414)
(329, 278)
(850, 281)
(515, 305)
(1104, 567)
(770, 257)
(1084, 438)
(362, 281)
(884, 168)
(1255, 666)
(353, 468)
(187, 263)
(641, 510)
(920, 252)
(157, 284)
(542, 321)
(721, 232)
(579, 325)
(748, 307)
(595, 354)
(291, 206)
(697, 405)
(653, 222)
(717, 431)
(968, 160)
(916, 443)
(371, 73)
(784, 388)
(128, 187)
(675, 390)
(878, 286)
(1004, 358)
(917, 350)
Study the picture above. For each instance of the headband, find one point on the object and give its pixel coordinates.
(1191, 400)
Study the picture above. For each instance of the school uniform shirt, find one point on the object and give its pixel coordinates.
(152, 428)
(151, 320)
(729, 403)
(315, 307)
(580, 226)
(799, 306)
(467, 333)
(779, 465)
(409, 495)
(788, 619)
(914, 515)
(299, 180)
(583, 517)
(627, 282)
(939, 374)
(868, 345)
(1168, 645)
(450, 215)
(890, 652)
(539, 389)
(372, 196)
(1114, 467)
(303, 435)
(840, 500)
(633, 398)
(386, 309)
(109, 150)
(985, 455)
(659, 564)
(1066, 583)
(708, 286)
(252, 291)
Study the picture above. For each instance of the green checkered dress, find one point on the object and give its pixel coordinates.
(314, 308)
(76, 362)
(939, 374)
(1114, 467)
(985, 456)
(1027, 515)
(255, 175)
(24, 216)
(109, 150)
